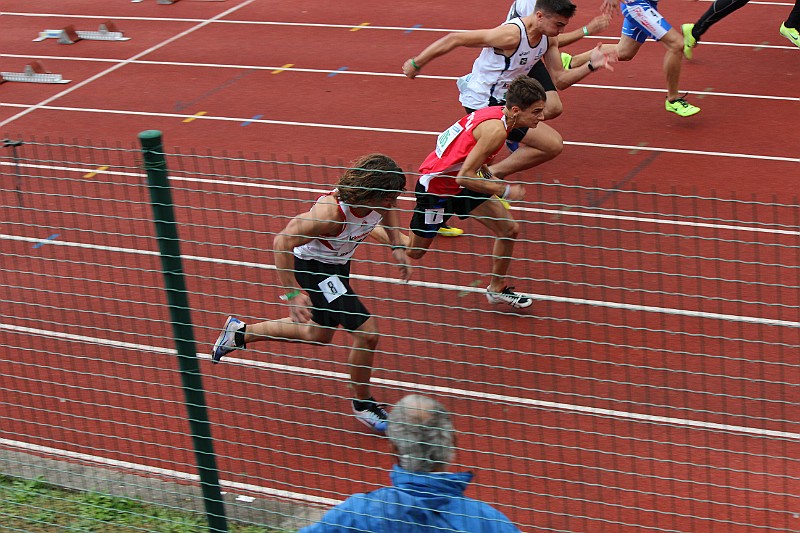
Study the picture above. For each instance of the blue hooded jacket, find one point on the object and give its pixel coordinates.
(415, 503)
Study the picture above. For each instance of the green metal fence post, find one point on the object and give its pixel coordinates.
(166, 229)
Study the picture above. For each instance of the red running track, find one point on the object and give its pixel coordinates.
(578, 472)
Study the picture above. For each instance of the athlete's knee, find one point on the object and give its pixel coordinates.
(553, 110)
(366, 339)
(673, 41)
(553, 106)
(417, 246)
(415, 253)
(626, 54)
(509, 230)
(553, 144)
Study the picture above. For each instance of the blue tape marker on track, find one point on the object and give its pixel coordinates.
(50, 238)
(248, 122)
(414, 27)
(338, 70)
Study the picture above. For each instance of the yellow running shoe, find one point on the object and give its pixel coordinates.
(792, 34)
(449, 231)
(566, 60)
(681, 107)
(689, 41)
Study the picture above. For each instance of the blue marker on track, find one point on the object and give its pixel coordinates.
(50, 238)
(414, 27)
(248, 122)
(338, 70)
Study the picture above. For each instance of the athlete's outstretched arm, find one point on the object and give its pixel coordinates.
(503, 37)
(564, 78)
(595, 26)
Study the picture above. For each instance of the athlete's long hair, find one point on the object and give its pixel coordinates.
(370, 178)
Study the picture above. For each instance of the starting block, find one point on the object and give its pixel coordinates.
(108, 31)
(34, 73)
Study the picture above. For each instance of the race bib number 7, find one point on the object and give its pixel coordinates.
(434, 216)
(332, 287)
(447, 137)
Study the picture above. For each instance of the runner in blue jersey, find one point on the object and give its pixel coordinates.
(642, 20)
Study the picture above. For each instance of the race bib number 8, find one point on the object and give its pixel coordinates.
(447, 137)
(332, 288)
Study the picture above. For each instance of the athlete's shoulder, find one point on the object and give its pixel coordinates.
(328, 207)
(488, 113)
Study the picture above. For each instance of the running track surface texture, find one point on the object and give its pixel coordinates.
(308, 79)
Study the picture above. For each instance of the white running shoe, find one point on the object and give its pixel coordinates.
(508, 296)
(374, 416)
(226, 342)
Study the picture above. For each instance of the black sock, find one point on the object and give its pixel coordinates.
(238, 337)
(361, 405)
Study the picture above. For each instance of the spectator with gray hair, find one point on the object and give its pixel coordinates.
(424, 496)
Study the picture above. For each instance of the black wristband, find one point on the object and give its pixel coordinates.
(591, 67)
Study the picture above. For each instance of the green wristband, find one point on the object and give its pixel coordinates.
(289, 295)
(585, 31)
(414, 64)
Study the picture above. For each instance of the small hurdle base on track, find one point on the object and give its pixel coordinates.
(34, 73)
(108, 31)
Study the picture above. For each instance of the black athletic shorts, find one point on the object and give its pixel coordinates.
(540, 73)
(333, 301)
(432, 212)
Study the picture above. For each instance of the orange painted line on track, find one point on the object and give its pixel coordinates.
(95, 172)
(284, 67)
(360, 26)
(195, 116)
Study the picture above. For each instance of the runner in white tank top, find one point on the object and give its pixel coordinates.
(523, 8)
(338, 249)
(503, 46)
(493, 72)
(312, 262)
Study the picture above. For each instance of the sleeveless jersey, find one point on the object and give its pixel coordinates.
(338, 249)
(521, 8)
(492, 72)
(452, 148)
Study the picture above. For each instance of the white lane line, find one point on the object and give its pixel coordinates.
(123, 63)
(396, 130)
(430, 285)
(386, 74)
(522, 209)
(407, 385)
